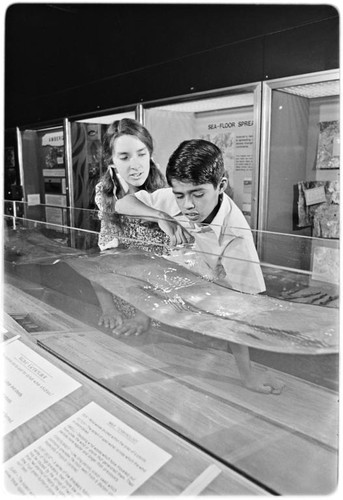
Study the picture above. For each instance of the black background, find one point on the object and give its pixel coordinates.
(69, 59)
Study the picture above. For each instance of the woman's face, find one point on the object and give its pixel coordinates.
(132, 160)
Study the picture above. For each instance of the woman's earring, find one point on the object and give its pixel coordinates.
(110, 171)
(123, 183)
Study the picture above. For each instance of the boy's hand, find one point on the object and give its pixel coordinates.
(178, 235)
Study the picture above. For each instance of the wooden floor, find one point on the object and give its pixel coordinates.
(286, 443)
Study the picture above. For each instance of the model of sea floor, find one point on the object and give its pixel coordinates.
(171, 294)
(176, 296)
(29, 246)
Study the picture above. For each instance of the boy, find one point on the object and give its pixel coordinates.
(196, 175)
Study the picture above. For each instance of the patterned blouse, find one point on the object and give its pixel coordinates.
(127, 232)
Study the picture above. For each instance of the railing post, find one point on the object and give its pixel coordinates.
(14, 214)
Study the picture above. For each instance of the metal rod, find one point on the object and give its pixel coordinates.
(21, 165)
(70, 178)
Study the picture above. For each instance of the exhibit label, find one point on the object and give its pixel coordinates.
(31, 384)
(90, 453)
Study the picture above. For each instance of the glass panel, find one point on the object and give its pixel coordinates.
(41, 218)
(9, 212)
(183, 369)
(87, 163)
(302, 196)
(12, 187)
(44, 172)
(228, 122)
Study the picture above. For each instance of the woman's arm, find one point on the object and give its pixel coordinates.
(130, 205)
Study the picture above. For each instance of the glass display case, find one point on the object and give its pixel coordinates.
(86, 138)
(230, 119)
(181, 372)
(300, 165)
(44, 174)
(59, 168)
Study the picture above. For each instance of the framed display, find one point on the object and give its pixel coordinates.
(328, 145)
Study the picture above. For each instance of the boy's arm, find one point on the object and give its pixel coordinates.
(130, 205)
(241, 265)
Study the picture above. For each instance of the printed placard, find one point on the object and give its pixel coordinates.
(31, 384)
(90, 453)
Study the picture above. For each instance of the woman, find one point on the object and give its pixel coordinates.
(128, 148)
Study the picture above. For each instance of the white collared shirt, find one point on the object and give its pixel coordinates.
(226, 246)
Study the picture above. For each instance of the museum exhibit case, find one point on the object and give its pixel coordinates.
(300, 163)
(230, 119)
(279, 140)
(179, 380)
(43, 172)
(85, 137)
(181, 374)
(59, 166)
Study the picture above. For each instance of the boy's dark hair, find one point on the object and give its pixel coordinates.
(196, 161)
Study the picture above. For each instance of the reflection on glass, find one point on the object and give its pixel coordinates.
(88, 163)
(302, 196)
(44, 173)
(181, 370)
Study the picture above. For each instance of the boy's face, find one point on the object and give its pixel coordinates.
(197, 201)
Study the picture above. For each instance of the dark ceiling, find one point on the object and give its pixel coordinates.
(50, 48)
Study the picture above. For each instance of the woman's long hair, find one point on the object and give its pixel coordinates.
(109, 182)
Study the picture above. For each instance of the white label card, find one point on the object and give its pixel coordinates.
(33, 199)
(315, 195)
(31, 384)
(90, 453)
